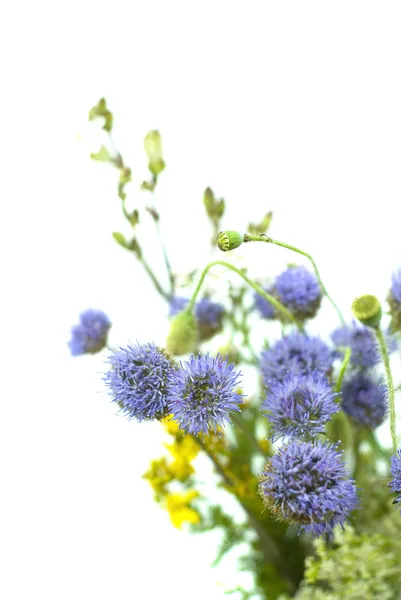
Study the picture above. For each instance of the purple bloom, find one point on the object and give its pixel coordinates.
(299, 290)
(208, 312)
(306, 484)
(177, 304)
(396, 286)
(299, 406)
(90, 335)
(295, 354)
(263, 306)
(364, 401)
(395, 484)
(138, 379)
(361, 340)
(202, 393)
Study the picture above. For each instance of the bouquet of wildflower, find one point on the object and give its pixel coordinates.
(295, 445)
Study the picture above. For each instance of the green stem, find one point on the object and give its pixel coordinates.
(280, 307)
(154, 279)
(344, 365)
(265, 238)
(390, 386)
(357, 456)
(238, 422)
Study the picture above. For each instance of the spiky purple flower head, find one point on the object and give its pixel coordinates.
(295, 354)
(263, 306)
(299, 406)
(299, 290)
(90, 335)
(306, 484)
(137, 380)
(395, 469)
(202, 393)
(364, 400)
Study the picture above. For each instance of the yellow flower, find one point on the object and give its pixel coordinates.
(159, 475)
(178, 506)
(181, 469)
(185, 448)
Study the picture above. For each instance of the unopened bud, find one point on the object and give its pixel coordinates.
(229, 240)
(367, 310)
(183, 334)
(153, 148)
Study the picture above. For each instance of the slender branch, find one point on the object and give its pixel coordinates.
(390, 385)
(265, 238)
(280, 307)
(344, 365)
(154, 279)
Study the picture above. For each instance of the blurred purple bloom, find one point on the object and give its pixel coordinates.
(208, 312)
(263, 306)
(177, 304)
(395, 484)
(299, 290)
(363, 344)
(306, 484)
(90, 335)
(295, 354)
(299, 406)
(396, 286)
(364, 400)
(202, 392)
(137, 380)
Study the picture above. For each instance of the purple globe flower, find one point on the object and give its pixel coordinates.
(299, 406)
(209, 316)
(306, 484)
(395, 484)
(177, 304)
(295, 354)
(263, 306)
(361, 340)
(137, 380)
(90, 335)
(202, 393)
(364, 400)
(299, 290)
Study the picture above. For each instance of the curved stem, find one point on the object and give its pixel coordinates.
(280, 307)
(265, 238)
(341, 374)
(390, 385)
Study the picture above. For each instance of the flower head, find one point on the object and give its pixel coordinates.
(395, 484)
(394, 300)
(361, 340)
(263, 306)
(177, 304)
(203, 392)
(364, 401)
(299, 290)
(209, 316)
(306, 484)
(295, 354)
(300, 405)
(90, 335)
(137, 380)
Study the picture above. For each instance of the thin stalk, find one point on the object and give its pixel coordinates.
(390, 386)
(280, 307)
(265, 238)
(341, 374)
(154, 279)
(357, 455)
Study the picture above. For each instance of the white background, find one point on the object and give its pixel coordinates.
(288, 106)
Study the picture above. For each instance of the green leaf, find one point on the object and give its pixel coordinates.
(103, 155)
(100, 110)
(263, 226)
(134, 218)
(120, 239)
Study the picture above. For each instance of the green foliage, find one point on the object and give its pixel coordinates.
(263, 226)
(100, 110)
(102, 156)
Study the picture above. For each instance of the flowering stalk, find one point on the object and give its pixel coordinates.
(264, 238)
(390, 385)
(280, 307)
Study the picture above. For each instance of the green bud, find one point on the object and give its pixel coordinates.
(228, 240)
(209, 202)
(153, 149)
(367, 310)
(183, 334)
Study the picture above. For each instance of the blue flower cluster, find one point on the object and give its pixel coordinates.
(305, 483)
(297, 289)
(208, 315)
(90, 335)
(147, 384)
(394, 300)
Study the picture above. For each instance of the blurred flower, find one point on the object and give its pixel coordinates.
(295, 354)
(159, 476)
(203, 392)
(263, 306)
(299, 290)
(184, 447)
(178, 506)
(363, 344)
(299, 406)
(90, 335)
(137, 380)
(209, 316)
(364, 400)
(306, 484)
(177, 304)
(396, 286)
(394, 300)
(395, 469)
